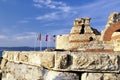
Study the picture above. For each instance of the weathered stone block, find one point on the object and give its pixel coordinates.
(23, 57)
(109, 76)
(34, 58)
(62, 42)
(3, 63)
(100, 76)
(80, 38)
(11, 55)
(92, 76)
(47, 59)
(61, 60)
(15, 71)
(95, 62)
(53, 75)
(75, 30)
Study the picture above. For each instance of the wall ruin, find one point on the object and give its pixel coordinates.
(85, 55)
(57, 65)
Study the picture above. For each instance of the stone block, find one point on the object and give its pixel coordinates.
(97, 62)
(100, 76)
(62, 42)
(4, 54)
(27, 57)
(34, 58)
(75, 30)
(47, 59)
(3, 63)
(16, 71)
(23, 57)
(78, 37)
(11, 55)
(53, 75)
(92, 76)
(109, 76)
(61, 60)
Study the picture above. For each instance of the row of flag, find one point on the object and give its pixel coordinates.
(47, 38)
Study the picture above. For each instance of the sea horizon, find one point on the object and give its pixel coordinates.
(21, 48)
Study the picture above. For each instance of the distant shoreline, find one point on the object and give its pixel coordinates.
(21, 49)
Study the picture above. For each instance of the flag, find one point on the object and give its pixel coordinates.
(47, 38)
(39, 37)
(54, 38)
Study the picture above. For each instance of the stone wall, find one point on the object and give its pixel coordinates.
(80, 34)
(113, 24)
(62, 42)
(57, 65)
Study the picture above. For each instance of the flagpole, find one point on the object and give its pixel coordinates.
(39, 39)
(46, 45)
(48, 42)
(40, 45)
(35, 42)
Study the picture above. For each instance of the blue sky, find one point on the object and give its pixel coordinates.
(22, 20)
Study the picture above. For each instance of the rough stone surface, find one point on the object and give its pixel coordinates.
(80, 33)
(112, 25)
(60, 65)
(23, 57)
(86, 61)
(74, 61)
(95, 62)
(47, 59)
(100, 76)
(61, 60)
(3, 64)
(92, 76)
(109, 31)
(53, 75)
(13, 71)
(62, 42)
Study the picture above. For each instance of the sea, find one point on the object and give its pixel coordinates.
(20, 49)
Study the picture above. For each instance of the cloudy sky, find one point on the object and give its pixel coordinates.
(22, 20)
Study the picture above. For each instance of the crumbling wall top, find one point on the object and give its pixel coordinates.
(113, 18)
(82, 21)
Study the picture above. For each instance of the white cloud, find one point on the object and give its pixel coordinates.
(97, 10)
(50, 16)
(38, 5)
(59, 32)
(65, 8)
(3, 37)
(23, 39)
(25, 36)
(52, 5)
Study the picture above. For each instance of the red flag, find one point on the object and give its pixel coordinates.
(39, 37)
(47, 38)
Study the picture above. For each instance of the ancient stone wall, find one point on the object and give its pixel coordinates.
(57, 65)
(62, 42)
(80, 34)
(84, 57)
(113, 24)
